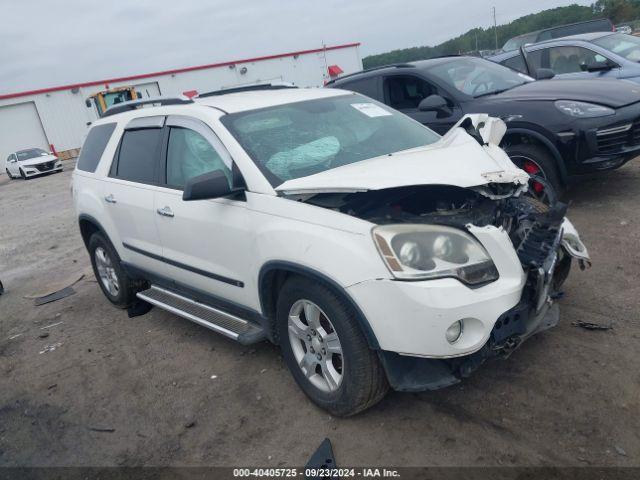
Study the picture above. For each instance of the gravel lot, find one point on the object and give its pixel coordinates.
(81, 384)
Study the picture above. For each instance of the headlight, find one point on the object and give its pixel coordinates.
(420, 252)
(583, 109)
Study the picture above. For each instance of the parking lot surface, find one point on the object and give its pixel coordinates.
(82, 384)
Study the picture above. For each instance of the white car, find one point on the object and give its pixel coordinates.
(31, 163)
(373, 251)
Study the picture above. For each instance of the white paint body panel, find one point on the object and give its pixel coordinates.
(235, 238)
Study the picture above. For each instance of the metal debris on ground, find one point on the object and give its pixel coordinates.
(59, 295)
(102, 429)
(54, 287)
(50, 348)
(591, 325)
(52, 325)
(323, 458)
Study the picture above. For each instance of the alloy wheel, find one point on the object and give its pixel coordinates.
(316, 346)
(538, 182)
(107, 273)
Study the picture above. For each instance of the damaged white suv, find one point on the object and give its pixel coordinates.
(373, 251)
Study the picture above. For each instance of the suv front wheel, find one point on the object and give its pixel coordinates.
(116, 285)
(325, 349)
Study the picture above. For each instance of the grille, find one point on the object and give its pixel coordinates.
(43, 167)
(617, 138)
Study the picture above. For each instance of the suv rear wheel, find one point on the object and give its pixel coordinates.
(325, 350)
(116, 285)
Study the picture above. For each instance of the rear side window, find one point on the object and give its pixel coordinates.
(138, 155)
(516, 63)
(366, 86)
(94, 146)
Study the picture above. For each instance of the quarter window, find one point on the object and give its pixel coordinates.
(94, 146)
(189, 155)
(139, 151)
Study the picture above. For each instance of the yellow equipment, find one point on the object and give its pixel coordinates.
(107, 98)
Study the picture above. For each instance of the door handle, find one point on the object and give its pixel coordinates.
(110, 198)
(165, 212)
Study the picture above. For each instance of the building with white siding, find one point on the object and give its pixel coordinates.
(56, 118)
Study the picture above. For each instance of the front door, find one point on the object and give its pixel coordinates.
(207, 244)
(405, 92)
(12, 165)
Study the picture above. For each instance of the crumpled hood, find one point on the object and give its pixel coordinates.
(456, 159)
(37, 160)
(604, 91)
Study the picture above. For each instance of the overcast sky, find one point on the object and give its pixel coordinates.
(47, 43)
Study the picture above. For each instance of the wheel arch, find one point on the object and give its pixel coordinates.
(88, 226)
(522, 135)
(274, 273)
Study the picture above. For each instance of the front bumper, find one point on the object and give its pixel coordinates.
(602, 143)
(410, 319)
(42, 169)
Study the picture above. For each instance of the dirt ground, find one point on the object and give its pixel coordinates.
(81, 384)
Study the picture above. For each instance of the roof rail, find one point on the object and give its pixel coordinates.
(134, 104)
(246, 88)
(373, 69)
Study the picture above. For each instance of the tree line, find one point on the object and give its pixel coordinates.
(618, 11)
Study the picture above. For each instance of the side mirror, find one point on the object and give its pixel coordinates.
(433, 103)
(545, 74)
(596, 66)
(208, 186)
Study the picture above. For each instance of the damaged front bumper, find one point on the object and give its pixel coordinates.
(534, 313)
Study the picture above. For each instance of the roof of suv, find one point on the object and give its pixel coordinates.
(253, 100)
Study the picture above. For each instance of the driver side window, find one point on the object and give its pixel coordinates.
(189, 154)
(406, 92)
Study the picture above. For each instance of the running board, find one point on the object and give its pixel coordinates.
(212, 318)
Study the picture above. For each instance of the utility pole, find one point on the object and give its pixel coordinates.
(495, 27)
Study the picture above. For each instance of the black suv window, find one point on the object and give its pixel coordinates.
(406, 92)
(516, 63)
(138, 155)
(365, 86)
(94, 146)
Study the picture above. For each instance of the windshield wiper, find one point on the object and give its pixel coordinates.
(495, 92)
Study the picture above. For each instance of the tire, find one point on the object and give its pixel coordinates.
(24, 177)
(362, 381)
(8, 174)
(124, 295)
(536, 160)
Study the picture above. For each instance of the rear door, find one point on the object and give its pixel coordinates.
(207, 244)
(130, 190)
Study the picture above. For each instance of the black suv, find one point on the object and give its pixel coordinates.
(556, 130)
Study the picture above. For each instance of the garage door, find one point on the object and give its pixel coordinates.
(20, 128)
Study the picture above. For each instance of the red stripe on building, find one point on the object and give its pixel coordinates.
(174, 71)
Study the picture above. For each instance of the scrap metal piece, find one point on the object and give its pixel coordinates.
(323, 458)
(591, 325)
(60, 294)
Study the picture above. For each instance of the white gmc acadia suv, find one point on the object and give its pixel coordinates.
(373, 251)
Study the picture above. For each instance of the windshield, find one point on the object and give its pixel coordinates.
(30, 153)
(299, 139)
(477, 77)
(624, 45)
(517, 42)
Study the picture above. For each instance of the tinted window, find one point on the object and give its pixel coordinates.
(406, 92)
(94, 146)
(189, 154)
(139, 151)
(626, 46)
(515, 63)
(564, 59)
(366, 86)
